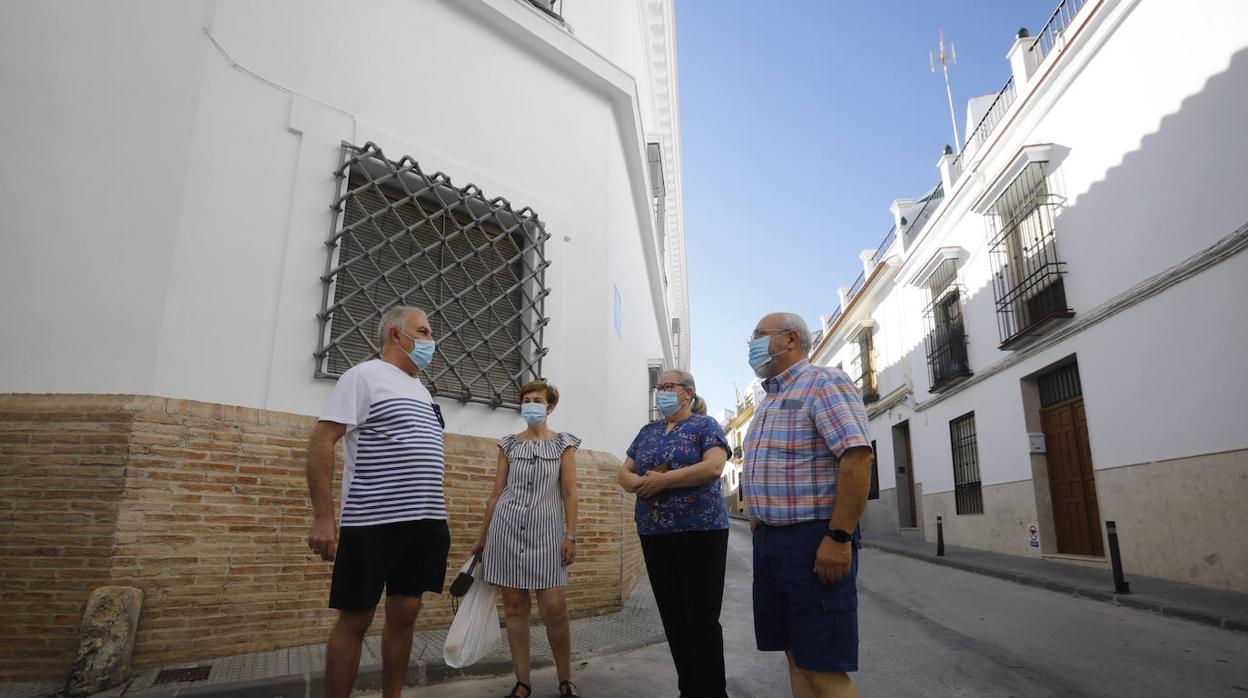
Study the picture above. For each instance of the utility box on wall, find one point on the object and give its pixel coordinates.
(1037, 443)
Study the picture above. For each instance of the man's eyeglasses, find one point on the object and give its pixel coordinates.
(763, 333)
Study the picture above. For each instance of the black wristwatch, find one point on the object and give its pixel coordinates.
(838, 535)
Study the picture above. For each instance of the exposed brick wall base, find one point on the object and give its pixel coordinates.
(204, 507)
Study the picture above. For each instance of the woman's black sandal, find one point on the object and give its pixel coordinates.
(527, 691)
(567, 689)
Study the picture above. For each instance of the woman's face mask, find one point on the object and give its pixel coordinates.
(667, 402)
(533, 412)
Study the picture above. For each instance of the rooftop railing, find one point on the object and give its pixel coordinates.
(998, 108)
(1051, 33)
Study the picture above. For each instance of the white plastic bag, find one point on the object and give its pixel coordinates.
(474, 633)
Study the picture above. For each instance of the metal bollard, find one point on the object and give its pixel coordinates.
(1120, 585)
(940, 536)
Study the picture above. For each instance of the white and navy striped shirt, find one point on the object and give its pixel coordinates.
(393, 446)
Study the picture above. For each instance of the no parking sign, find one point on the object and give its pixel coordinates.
(1033, 536)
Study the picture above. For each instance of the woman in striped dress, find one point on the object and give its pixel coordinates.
(529, 536)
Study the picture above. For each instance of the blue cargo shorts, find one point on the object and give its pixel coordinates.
(793, 610)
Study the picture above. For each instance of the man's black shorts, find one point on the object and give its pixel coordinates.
(405, 558)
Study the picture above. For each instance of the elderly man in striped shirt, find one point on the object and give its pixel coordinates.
(807, 474)
(392, 535)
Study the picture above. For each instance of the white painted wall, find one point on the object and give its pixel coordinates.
(166, 225)
(1152, 165)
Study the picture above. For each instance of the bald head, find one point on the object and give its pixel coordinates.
(790, 341)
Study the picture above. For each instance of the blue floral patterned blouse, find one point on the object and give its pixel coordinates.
(684, 508)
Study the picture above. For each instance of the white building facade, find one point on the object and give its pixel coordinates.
(218, 199)
(1051, 338)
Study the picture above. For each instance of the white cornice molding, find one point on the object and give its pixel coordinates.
(941, 255)
(660, 33)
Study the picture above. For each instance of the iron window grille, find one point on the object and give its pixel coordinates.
(864, 367)
(1027, 272)
(968, 495)
(1060, 385)
(946, 335)
(476, 265)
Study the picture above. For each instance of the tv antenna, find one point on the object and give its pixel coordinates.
(946, 60)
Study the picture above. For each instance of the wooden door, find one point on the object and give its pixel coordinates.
(1076, 516)
(907, 513)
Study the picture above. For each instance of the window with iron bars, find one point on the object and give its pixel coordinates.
(404, 237)
(968, 496)
(863, 365)
(946, 334)
(1060, 385)
(1027, 272)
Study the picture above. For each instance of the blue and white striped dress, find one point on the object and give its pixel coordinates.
(523, 548)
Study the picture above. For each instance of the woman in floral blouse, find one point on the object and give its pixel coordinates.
(673, 467)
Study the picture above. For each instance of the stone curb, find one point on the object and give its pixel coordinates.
(1093, 594)
(419, 673)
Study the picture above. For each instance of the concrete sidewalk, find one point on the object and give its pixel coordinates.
(1217, 607)
(299, 671)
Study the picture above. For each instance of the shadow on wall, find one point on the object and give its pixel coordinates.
(1175, 195)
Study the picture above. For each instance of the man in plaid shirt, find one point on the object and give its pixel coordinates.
(807, 474)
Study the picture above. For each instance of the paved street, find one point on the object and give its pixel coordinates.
(934, 631)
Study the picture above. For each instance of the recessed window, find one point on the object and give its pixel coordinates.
(476, 265)
(946, 334)
(968, 495)
(1027, 272)
(863, 366)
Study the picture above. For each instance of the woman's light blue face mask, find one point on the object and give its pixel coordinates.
(667, 403)
(533, 412)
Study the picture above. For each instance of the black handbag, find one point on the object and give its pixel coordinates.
(463, 580)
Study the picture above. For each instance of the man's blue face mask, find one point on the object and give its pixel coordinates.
(760, 353)
(422, 351)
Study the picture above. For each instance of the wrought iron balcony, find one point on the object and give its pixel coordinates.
(946, 355)
(1027, 271)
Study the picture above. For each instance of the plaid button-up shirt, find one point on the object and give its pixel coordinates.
(810, 416)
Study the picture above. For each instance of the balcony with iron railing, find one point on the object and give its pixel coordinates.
(1027, 271)
(946, 355)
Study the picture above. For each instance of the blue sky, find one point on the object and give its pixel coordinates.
(801, 121)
